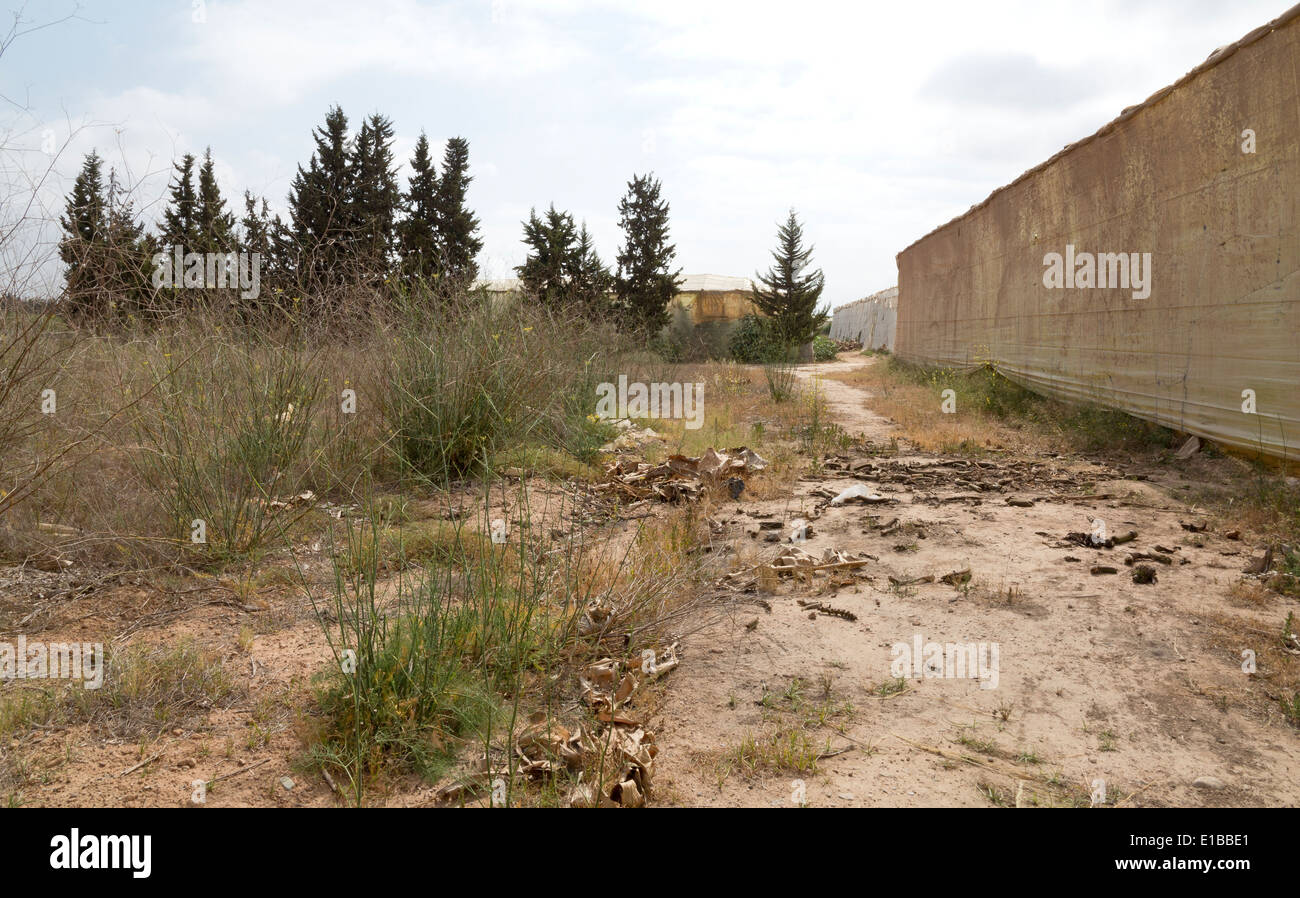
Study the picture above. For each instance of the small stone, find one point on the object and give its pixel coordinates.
(1209, 782)
(1189, 448)
(286, 782)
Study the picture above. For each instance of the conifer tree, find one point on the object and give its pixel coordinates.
(645, 282)
(458, 239)
(590, 280)
(216, 226)
(181, 218)
(550, 248)
(256, 226)
(375, 195)
(260, 233)
(128, 253)
(419, 226)
(279, 266)
(321, 222)
(562, 267)
(109, 258)
(786, 295)
(83, 226)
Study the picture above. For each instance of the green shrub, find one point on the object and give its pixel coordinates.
(824, 349)
(754, 343)
(488, 378)
(448, 657)
(669, 348)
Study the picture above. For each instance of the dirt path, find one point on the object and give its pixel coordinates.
(1100, 683)
(849, 406)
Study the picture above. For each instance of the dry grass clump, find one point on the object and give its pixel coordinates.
(209, 419)
(145, 690)
(454, 654)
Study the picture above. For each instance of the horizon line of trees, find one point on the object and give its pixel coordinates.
(350, 224)
(563, 267)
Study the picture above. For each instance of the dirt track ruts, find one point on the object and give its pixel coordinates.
(1101, 681)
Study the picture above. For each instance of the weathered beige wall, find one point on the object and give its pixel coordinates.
(702, 321)
(712, 305)
(1167, 177)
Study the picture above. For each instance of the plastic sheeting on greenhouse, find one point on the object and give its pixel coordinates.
(1197, 187)
(870, 321)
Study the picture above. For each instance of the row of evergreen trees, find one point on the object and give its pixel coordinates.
(350, 224)
(563, 267)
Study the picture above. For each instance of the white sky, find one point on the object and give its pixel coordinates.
(876, 121)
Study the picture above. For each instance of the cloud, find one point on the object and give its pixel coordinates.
(877, 122)
(283, 51)
(1014, 81)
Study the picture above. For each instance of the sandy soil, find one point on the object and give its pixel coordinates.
(252, 747)
(1102, 683)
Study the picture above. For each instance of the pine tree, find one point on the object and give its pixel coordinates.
(787, 296)
(562, 268)
(256, 226)
(320, 208)
(645, 282)
(457, 226)
(109, 258)
(84, 226)
(216, 226)
(279, 267)
(259, 233)
(374, 196)
(546, 269)
(128, 253)
(181, 218)
(590, 280)
(418, 229)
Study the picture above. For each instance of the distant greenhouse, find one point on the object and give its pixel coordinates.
(706, 310)
(870, 320)
(701, 316)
